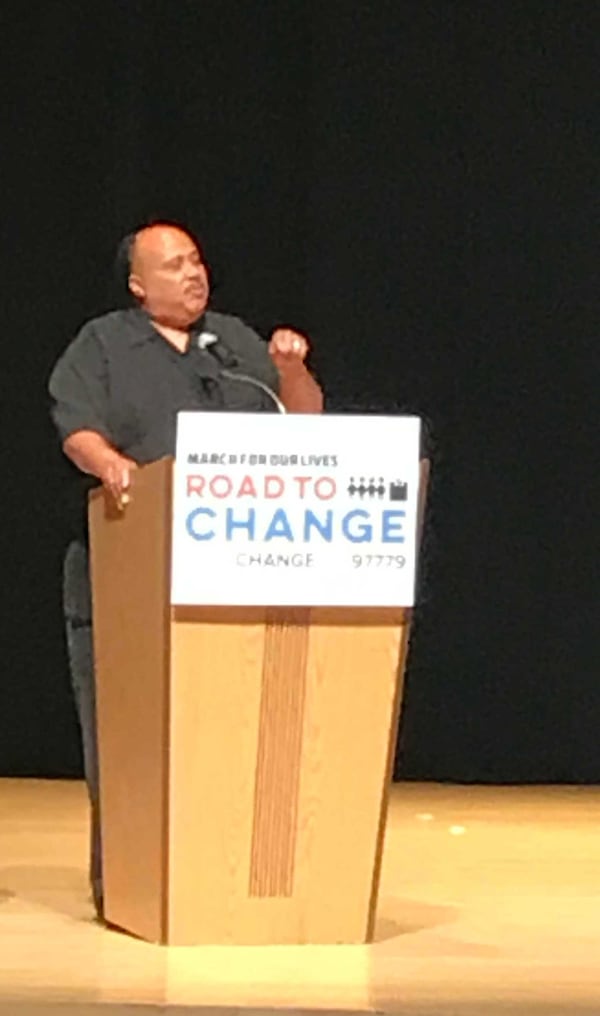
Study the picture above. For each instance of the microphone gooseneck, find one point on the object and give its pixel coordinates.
(228, 360)
(247, 379)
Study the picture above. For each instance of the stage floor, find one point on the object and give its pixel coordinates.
(490, 903)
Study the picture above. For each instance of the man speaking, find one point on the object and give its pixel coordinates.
(116, 392)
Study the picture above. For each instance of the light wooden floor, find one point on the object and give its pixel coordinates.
(490, 903)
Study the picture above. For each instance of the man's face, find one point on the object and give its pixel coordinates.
(168, 276)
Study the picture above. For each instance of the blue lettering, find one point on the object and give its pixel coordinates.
(357, 525)
(391, 526)
(324, 528)
(232, 524)
(279, 526)
(191, 520)
(365, 530)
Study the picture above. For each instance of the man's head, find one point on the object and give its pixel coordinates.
(167, 274)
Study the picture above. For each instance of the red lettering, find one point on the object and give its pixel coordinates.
(247, 488)
(302, 481)
(325, 487)
(220, 486)
(195, 485)
(274, 486)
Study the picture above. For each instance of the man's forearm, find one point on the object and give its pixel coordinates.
(90, 451)
(93, 454)
(299, 391)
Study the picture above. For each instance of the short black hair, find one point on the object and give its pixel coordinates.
(125, 250)
(123, 261)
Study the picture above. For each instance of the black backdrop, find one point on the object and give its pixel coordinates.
(413, 183)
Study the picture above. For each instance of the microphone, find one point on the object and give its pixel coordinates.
(228, 362)
(217, 348)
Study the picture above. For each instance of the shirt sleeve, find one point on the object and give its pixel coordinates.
(78, 387)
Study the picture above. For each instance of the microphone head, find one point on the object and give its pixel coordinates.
(206, 339)
(217, 348)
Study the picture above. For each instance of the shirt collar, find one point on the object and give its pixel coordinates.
(144, 331)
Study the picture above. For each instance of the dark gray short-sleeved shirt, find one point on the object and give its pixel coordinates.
(120, 377)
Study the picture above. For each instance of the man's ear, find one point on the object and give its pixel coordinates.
(135, 287)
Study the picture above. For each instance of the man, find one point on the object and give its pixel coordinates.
(116, 392)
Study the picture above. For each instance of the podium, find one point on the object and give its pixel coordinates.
(245, 752)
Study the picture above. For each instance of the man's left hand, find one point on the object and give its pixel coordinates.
(287, 348)
(298, 390)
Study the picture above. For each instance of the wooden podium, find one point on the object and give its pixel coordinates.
(245, 753)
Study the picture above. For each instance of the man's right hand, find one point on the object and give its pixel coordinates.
(115, 474)
(93, 454)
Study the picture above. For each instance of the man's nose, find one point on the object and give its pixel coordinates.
(193, 270)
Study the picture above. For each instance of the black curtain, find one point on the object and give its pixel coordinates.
(414, 184)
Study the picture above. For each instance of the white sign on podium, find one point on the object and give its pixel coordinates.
(295, 510)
